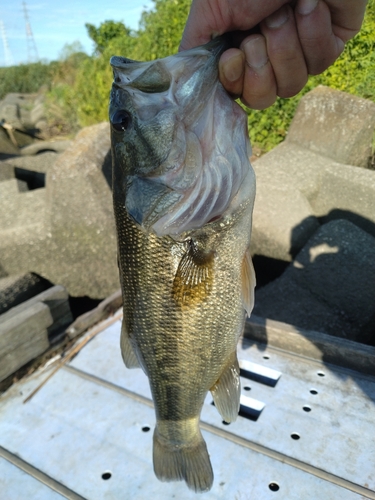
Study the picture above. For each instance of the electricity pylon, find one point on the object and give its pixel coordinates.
(7, 53)
(32, 52)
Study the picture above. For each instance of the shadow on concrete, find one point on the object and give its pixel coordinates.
(356, 219)
(353, 301)
(267, 269)
(34, 180)
(7, 156)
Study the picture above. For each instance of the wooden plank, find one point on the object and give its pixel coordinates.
(315, 345)
(90, 318)
(18, 288)
(23, 337)
(56, 298)
(24, 353)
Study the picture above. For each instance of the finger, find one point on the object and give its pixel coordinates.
(209, 18)
(347, 17)
(231, 70)
(285, 52)
(259, 85)
(321, 47)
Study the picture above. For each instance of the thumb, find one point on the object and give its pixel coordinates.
(199, 26)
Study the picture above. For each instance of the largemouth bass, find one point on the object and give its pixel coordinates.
(183, 191)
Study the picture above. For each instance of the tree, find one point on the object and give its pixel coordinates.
(105, 33)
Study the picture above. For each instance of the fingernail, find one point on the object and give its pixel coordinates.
(256, 53)
(305, 7)
(233, 68)
(340, 45)
(278, 18)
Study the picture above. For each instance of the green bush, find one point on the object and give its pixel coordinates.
(105, 33)
(353, 72)
(161, 29)
(63, 100)
(25, 78)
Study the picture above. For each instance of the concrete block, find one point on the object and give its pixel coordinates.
(6, 145)
(19, 98)
(8, 190)
(329, 287)
(11, 187)
(10, 113)
(288, 177)
(336, 125)
(290, 165)
(70, 239)
(105, 308)
(81, 216)
(38, 163)
(39, 147)
(283, 221)
(347, 192)
(15, 109)
(297, 189)
(6, 171)
(338, 266)
(20, 209)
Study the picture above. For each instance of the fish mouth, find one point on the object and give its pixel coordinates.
(216, 46)
(152, 76)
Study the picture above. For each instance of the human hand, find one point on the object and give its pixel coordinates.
(292, 40)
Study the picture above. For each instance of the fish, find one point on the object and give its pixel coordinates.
(183, 195)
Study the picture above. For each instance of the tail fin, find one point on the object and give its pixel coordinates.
(189, 462)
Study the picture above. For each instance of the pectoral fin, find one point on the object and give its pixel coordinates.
(127, 351)
(248, 282)
(227, 390)
(194, 276)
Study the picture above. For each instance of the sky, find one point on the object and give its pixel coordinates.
(56, 23)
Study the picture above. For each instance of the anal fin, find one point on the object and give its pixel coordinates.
(127, 351)
(248, 282)
(227, 390)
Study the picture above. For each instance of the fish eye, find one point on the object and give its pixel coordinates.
(121, 120)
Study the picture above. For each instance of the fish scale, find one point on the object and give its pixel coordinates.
(166, 331)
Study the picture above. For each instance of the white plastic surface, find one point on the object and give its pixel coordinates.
(97, 441)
